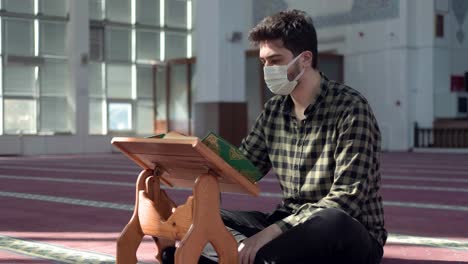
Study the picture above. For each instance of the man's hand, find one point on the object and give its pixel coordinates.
(249, 247)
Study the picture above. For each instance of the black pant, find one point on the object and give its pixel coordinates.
(329, 236)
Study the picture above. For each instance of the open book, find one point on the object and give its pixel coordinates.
(229, 153)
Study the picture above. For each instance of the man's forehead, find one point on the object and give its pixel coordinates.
(271, 47)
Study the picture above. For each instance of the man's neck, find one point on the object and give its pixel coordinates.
(306, 92)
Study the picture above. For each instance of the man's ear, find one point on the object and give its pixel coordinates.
(307, 57)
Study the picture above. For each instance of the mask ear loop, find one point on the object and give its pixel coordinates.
(294, 60)
(301, 73)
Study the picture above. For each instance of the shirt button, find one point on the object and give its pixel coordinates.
(296, 167)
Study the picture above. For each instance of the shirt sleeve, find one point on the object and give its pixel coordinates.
(254, 146)
(354, 158)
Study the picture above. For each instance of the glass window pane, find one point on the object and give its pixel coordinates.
(120, 116)
(161, 102)
(54, 78)
(145, 117)
(147, 45)
(176, 45)
(53, 36)
(118, 44)
(176, 13)
(19, 37)
(147, 12)
(96, 11)
(1, 82)
(19, 6)
(19, 80)
(55, 115)
(20, 116)
(119, 81)
(178, 101)
(1, 115)
(54, 7)
(96, 80)
(118, 10)
(97, 112)
(145, 82)
(96, 43)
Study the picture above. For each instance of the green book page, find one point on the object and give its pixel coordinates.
(232, 156)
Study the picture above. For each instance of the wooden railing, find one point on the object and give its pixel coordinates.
(440, 137)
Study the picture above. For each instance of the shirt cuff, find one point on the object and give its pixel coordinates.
(283, 225)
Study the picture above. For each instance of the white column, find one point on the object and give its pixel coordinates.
(78, 46)
(219, 99)
(220, 58)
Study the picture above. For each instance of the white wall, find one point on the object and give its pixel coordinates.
(375, 53)
(394, 60)
(458, 61)
(220, 62)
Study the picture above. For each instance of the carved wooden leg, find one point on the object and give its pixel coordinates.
(191, 247)
(131, 236)
(226, 247)
(207, 225)
(128, 243)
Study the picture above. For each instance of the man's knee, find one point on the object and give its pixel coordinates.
(327, 221)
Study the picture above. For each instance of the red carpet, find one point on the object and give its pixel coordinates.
(69, 209)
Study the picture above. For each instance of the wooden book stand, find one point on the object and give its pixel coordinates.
(183, 162)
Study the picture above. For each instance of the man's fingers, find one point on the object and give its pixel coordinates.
(252, 255)
(244, 255)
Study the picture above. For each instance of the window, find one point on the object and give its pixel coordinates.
(23, 6)
(96, 9)
(54, 116)
(136, 35)
(96, 43)
(19, 37)
(20, 116)
(52, 38)
(54, 78)
(97, 102)
(176, 13)
(118, 10)
(96, 117)
(145, 82)
(120, 116)
(96, 80)
(176, 45)
(35, 95)
(145, 117)
(119, 81)
(148, 45)
(147, 12)
(118, 44)
(53, 7)
(19, 80)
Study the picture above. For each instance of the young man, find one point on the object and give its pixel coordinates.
(323, 142)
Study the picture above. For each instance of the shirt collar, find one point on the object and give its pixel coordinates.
(288, 104)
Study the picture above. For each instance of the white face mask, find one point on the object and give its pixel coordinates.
(276, 78)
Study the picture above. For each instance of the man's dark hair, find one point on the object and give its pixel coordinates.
(294, 27)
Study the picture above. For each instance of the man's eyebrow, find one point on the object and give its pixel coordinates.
(271, 56)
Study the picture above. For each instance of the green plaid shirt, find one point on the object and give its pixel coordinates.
(328, 160)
